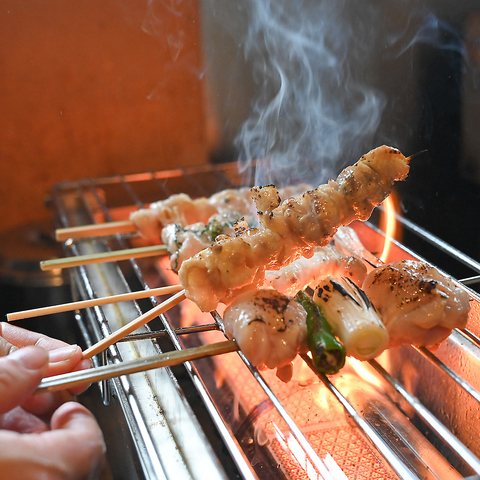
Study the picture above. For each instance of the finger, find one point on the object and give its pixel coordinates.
(44, 404)
(22, 337)
(76, 422)
(61, 360)
(5, 347)
(68, 359)
(64, 359)
(83, 365)
(20, 374)
(18, 420)
(73, 449)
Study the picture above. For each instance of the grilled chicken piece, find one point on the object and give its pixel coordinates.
(306, 272)
(269, 328)
(185, 242)
(418, 304)
(178, 208)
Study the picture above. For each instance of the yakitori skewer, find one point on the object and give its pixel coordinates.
(133, 325)
(180, 209)
(73, 379)
(103, 257)
(95, 230)
(94, 302)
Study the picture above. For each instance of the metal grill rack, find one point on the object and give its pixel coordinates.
(410, 414)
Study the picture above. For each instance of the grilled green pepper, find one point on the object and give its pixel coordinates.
(327, 352)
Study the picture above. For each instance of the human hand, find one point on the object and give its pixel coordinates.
(67, 445)
(63, 358)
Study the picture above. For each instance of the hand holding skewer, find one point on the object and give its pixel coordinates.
(70, 444)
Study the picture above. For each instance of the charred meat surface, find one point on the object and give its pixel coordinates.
(418, 304)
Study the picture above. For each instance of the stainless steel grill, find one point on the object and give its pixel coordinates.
(409, 414)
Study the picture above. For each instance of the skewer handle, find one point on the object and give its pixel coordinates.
(95, 302)
(76, 261)
(73, 379)
(95, 230)
(133, 325)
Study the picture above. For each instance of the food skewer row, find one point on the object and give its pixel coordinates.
(82, 377)
(401, 303)
(103, 257)
(133, 325)
(288, 230)
(94, 302)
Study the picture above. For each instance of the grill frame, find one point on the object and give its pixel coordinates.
(90, 192)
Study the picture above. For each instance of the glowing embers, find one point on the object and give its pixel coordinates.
(316, 412)
(344, 452)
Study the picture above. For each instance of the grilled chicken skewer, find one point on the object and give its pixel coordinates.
(402, 303)
(178, 209)
(290, 229)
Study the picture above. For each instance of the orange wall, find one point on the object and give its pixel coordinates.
(94, 88)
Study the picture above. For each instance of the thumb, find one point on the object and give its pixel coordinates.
(20, 374)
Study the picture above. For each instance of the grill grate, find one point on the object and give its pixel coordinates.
(389, 426)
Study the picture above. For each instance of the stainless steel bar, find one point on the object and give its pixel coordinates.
(424, 413)
(223, 428)
(128, 188)
(440, 244)
(470, 280)
(438, 363)
(393, 460)
(471, 337)
(163, 333)
(228, 436)
(317, 462)
(147, 455)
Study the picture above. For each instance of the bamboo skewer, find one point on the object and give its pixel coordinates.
(95, 230)
(75, 261)
(82, 377)
(133, 325)
(95, 302)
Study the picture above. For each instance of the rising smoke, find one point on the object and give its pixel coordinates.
(312, 104)
(324, 73)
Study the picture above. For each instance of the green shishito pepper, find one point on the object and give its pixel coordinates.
(328, 353)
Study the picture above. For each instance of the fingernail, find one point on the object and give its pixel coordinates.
(62, 354)
(32, 358)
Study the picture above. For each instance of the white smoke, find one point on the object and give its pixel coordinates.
(311, 105)
(328, 73)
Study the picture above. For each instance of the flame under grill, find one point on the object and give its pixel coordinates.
(408, 414)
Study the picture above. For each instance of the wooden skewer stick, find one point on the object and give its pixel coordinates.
(75, 261)
(95, 230)
(94, 302)
(82, 377)
(133, 325)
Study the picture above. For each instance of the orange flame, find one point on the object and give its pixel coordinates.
(389, 221)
